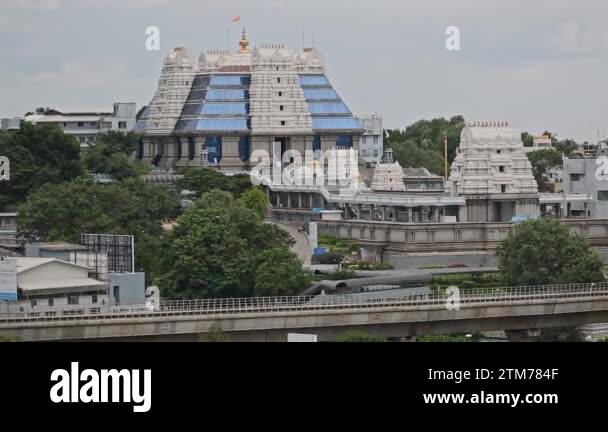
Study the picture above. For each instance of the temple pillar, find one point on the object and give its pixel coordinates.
(462, 214)
(183, 143)
(230, 153)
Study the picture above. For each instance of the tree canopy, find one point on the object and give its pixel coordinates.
(543, 251)
(203, 180)
(64, 211)
(422, 143)
(113, 154)
(39, 154)
(543, 161)
(222, 248)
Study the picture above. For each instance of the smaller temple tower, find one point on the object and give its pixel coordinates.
(493, 172)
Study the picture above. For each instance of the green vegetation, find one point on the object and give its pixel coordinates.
(9, 339)
(468, 281)
(449, 338)
(64, 211)
(543, 161)
(255, 199)
(39, 155)
(422, 144)
(112, 154)
(222, 248)
(359, 336)
(203, 180)
(543, 251)
(337, 245)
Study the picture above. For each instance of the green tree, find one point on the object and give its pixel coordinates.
(422, 143)
(409, 154)
(542, 162)
(64, 211)
(39, 154)
(113, 154)
(359, 336)
(255, 199)
(544, 252)
(280, 274)
(203, 180)
(216, 248)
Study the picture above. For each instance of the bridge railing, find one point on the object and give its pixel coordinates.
(258, 305)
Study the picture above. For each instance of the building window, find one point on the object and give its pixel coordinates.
(51, 302)
(94, 298)
(282, 122)
(34, 303)
(178, 150)
(281, 107)
(80, 124)
(503, 188)
(122, 125)
(602, 195)
(82, 140)
(501, 169)
(344, 142)
(280, 94)
(279, 80)
(116, 292)
(498, 151)
(73, 300)
(576, 177)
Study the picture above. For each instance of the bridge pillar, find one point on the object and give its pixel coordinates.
(527, 335)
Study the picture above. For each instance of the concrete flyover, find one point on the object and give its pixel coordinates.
(271, 319)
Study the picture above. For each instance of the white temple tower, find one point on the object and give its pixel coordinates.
(492, 170)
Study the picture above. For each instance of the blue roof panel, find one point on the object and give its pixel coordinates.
(222, 125)
(320, 94)
(314, 80)
(328, 108)
(335, 123)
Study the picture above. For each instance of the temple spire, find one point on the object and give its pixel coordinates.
(244, 42)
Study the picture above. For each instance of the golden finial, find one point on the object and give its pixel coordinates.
(244, 42)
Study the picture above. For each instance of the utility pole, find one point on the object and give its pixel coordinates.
(445, 135)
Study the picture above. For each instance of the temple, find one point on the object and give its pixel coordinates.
(217, 112)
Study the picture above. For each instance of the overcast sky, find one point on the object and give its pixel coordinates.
(539, 64)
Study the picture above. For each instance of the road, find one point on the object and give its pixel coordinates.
(301, 248)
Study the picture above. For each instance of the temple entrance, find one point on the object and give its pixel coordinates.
(279, 147)
(504, 211)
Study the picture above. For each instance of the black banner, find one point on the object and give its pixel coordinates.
(250, 378)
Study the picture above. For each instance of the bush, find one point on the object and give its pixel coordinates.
(330, 258)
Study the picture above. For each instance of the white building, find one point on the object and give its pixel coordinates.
(371, 149)
(10, 123)
(45, 284)
(539, 143)
(85, 126)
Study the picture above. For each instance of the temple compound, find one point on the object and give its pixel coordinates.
(217, 112)
(491, 181)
